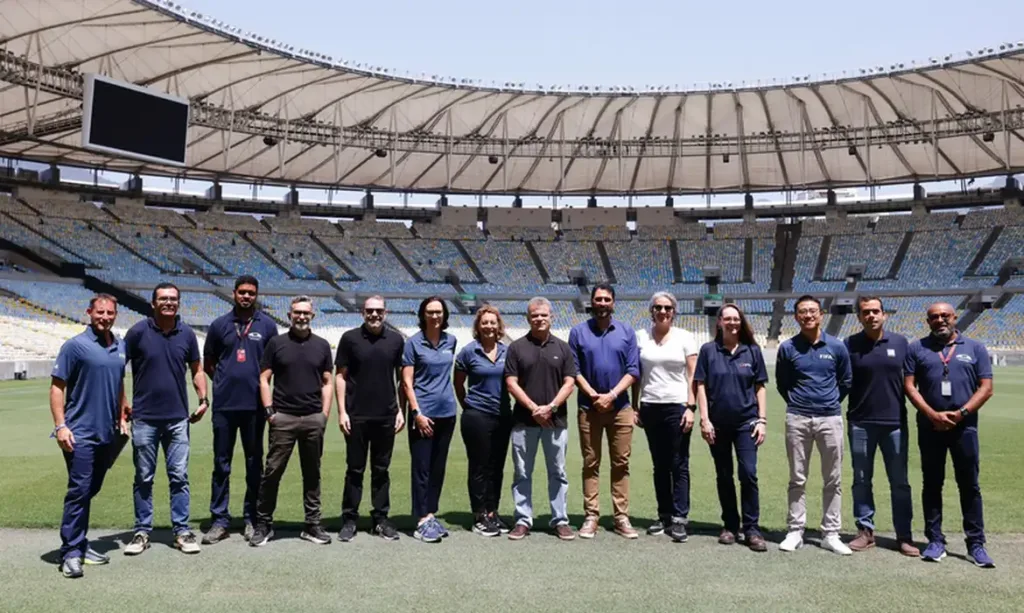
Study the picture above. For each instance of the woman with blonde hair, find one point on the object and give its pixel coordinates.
(486, 417)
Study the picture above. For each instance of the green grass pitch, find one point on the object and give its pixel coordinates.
(467, 573)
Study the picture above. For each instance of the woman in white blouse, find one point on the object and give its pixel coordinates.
(664, 395)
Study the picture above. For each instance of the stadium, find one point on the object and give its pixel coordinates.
(752, 194)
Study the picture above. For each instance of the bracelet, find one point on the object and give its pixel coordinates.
(57, 429)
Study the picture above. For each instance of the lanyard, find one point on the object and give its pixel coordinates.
(243, 333)
(945, 359)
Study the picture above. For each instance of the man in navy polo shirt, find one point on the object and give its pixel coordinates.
(159, 349)
(608, 362)
(812, 373)
(948, 379)
(86, 392)
(231, 357)
(877, 417)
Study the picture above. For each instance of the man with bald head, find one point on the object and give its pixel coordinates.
(948, 378)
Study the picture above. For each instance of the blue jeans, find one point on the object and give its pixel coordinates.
(670, 455)
(228, 425)
(147, 437)
(525, 440)
(962, 444)
(893, 441)
(738, 438)
(87, 465)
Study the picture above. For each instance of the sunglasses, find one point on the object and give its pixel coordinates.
(660, 308)
(374, 311)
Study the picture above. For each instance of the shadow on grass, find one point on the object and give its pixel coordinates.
(112, 543)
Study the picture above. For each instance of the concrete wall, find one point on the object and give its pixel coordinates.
(33, 369)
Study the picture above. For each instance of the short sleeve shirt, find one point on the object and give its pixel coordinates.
(663, 377)
(93, 376)
(298, 365)
(432, 373)
(730, 382)
(968, 364)
(541, 369)
(486, 390)
(370, 362)
(235, 346)
(159, 365)
(876, 396)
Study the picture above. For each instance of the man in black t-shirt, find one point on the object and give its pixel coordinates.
(369, 363)
(300, 364)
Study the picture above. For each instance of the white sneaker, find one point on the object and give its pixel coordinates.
(836, 544)
(793, 541)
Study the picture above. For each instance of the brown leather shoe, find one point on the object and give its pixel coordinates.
(624, 529)
(865, 540)
(908, 549)
(565, 532)
(519, 532)
(727, 537)
(589, 528)
(756, 542)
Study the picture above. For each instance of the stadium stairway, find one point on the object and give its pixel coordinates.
(99, 228)
(983, 252)
(606, 262)
(536, 262)
(266, 255)
(901, 255)
(350, 274)
(469, 261)
(28, 206)
(787, 236)
(835, 323)
(775, 327)
(42, 310)
(971, 311)
(819, 268)
(403, 261)
(170, 231)
(47, 239)
(748, 260)
(124, 297)
(677, 268)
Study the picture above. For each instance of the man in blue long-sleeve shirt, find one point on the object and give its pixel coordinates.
(608, 362)
(813, 376)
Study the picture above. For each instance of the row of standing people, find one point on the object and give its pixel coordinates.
(509, 394)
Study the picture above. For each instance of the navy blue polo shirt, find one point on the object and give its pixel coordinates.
(877, 397)
(159, 364)
(813, 379)
(93, 376)
(432, 373)
(486, 390)
(604, 357)
(235, 347)
(968, 365)
(730, 382)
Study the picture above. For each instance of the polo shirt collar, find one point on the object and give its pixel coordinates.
(426, 341)
(740, 348)
(368, 334)
(935, 342)
(479, 349)
(91, 334)
(596, 330)
(822, 340)
(537, 341)
(255, 315)
(176, 328)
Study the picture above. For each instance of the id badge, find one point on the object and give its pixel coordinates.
(947, 389)
(240, 357)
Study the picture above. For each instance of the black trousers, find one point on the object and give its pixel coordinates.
(429, 461)
(486, 436)
(961, 443)
(375, 438)
(307, 431)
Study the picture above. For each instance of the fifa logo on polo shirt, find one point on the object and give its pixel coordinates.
(890, 352)
(826, 356)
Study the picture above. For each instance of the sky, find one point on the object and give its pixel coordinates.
(632, 43)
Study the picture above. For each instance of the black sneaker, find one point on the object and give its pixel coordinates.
(500, 523)
(215, 534)
(656, 529)
(260, 535)
(677, 532)
(316, 534)
(386, 530)
(485, 526)
(348, 531)
(72, 568)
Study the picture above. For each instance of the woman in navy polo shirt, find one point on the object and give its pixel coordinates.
(427, 382)
(730, 378)
(486, 417)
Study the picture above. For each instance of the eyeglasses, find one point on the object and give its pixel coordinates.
(937, 316)
(302, 314)
(374, 311)
(808, 311)
(167, 300)
(435, 313)
(667, 308)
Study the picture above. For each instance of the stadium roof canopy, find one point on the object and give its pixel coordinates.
(267, 111)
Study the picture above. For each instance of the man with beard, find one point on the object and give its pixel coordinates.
(608, 362)
(231, 357)
(159, 349)
(297, 411)
(86, 393)
(948, 379)
(368, 363)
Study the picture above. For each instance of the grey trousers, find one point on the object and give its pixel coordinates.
(802, 433)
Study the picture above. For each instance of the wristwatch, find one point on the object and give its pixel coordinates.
(204, 400)
(269, 411)
(964, 412)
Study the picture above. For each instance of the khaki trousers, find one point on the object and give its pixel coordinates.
(802, 433)
(592, 427)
